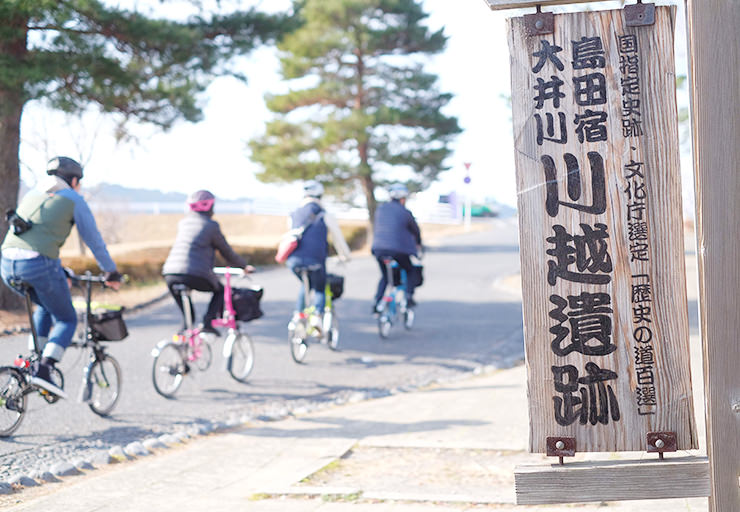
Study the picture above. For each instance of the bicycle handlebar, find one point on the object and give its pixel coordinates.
(229, 270)
(89, 277)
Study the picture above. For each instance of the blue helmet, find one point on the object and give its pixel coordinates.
(398, 191)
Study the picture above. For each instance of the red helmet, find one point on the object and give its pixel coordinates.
(201, 201)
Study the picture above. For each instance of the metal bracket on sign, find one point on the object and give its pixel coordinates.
(539, 23)
(639, 15)
(561, 447)
(661, 442)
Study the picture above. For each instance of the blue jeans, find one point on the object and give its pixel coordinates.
(316, 282)
(55, 317)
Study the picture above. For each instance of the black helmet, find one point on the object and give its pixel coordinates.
(65, 168)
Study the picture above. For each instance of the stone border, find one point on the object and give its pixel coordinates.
(52, 472)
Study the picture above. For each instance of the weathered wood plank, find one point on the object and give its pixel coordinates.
(714, 48)
(497, 5)
(580, 287)
(685, 477)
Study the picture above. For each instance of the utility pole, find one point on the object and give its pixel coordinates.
(468, 199)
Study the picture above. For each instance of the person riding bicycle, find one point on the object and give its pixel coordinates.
(30, 255)
(191, 259)
(313, 249)
(396, 235)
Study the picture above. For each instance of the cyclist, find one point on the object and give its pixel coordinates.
(396, 235)
(191, 259)
(313, 248)
(30, 254)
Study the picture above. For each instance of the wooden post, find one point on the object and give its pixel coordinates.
(714, 55)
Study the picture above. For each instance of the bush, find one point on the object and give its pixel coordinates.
(145, 266)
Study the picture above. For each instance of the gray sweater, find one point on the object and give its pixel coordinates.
(193, 253)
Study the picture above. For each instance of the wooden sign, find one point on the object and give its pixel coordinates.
(601, 232)
(497, 5)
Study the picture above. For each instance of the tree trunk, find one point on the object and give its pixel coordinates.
(11, 108)
(368, 187)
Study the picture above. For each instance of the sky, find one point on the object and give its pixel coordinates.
(213, 153)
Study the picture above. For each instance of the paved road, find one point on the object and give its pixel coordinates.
(463, 321)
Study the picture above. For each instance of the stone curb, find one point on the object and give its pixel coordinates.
(151, 446)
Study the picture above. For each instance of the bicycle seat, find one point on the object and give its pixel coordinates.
(180, 288)
(388, 260)
(19, 284)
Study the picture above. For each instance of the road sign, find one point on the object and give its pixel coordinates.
(601, 232)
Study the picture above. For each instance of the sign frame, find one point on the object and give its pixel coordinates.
(552, 309)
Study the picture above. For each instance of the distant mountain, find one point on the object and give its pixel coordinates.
(135, 195)
(119, 193)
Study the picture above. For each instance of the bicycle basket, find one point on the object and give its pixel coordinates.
(336, 285)
(108, 325)
(246, 302)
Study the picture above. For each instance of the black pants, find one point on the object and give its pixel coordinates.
(215, 307)
(404, 261)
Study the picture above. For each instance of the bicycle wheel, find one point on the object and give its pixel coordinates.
(408, 318)
(203, 361)
(332, 333)
(384, 326)
(12, 400)
(168, 370)
(241, 359)
(104, 381)
(297, 341)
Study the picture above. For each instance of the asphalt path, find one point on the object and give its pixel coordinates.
(464, 320)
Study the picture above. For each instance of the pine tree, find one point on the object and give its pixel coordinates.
(361, 111)
(74, 53)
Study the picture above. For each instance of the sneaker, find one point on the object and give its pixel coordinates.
(317, 321)
(41, 377)
(411, 302)
(209, 329)
(377, 308)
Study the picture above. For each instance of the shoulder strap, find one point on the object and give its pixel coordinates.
(316, 213)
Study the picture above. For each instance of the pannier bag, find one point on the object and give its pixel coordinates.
(246, 302)
(415, 277)
(108, 325)
(288, 244)
(336, 285)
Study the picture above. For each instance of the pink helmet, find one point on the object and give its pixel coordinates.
(201, 201)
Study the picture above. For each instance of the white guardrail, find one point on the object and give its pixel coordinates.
(438, 213)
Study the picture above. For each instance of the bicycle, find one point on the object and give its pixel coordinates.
(101, 379)
(174, 358)
(394, 300)
(307, 325)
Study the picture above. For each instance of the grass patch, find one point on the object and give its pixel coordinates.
(261, 496)
(331, 498)
(333, 465)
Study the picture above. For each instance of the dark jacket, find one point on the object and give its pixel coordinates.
(193, 253)
(396, 229)
(313, 247)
